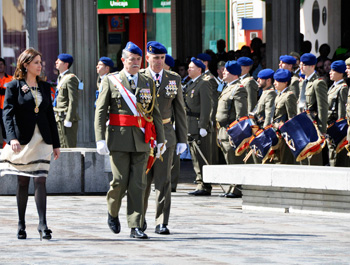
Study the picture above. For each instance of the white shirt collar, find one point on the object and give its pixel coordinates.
(64, 73)
(154, 74)
(135, 76)
(336, 83)
(243, 76)
(309, 77)
(232, 82)
(193, 80)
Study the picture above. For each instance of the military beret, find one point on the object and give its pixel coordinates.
(155, 47)
(282, 75)
(266, 73)
(169, 60)
(233, 68)
(133, 48)
(204, 57)
(198, 63)
(65, 57)
(107, 61)
(339, 66)
(288, 59)
(308, 59)
(244, 61)
(347, 61)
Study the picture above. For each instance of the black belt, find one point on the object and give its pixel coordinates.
(2, 91)
(193, 114)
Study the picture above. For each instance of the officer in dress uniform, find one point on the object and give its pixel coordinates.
(287, 62)
(131, 101)
(249, 82)
(232, 105)
(171, 103)
(337, 99)
(285, 109)
(214, 82)
(198, 104)
(347, 62)
(264, 110)
(313, 96)
(66, 102)
(103, 68)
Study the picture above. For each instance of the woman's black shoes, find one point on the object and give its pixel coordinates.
(21, 234)
(45, 233)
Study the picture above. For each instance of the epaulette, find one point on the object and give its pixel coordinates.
(207, 77)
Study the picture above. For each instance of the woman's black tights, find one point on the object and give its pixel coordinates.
(40, 199)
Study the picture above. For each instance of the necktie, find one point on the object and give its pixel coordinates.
(132, 83)
(157, 83)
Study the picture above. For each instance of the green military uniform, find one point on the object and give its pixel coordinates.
(66, 109)
(170, 103)
(198, 104)
(252, 89)
(285, 109)
(265, 108)
(128, 150)
(294, 85)
(215, 96)
(317, 103)
(232, 105)
(337, 98)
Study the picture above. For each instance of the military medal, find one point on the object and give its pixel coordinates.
(36, 109)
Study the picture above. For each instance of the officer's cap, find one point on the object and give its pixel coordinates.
(288, 59)
(308, 59)
(204, 57)
(347, 61)
(244, 61)
(339, 66)
(282, 75)
(233, 68)
(133, 48)
(198, 63)
(107, 61)
(65, 57)
(155, 47)
(169, 60)
(266, 73)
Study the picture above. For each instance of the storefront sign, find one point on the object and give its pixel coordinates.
(118, 6)
(161, 6)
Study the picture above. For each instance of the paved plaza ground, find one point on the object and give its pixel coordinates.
(204, 230)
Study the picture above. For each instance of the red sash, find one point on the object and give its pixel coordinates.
(137, 121)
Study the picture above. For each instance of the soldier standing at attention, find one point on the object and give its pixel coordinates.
(103, 68)
(287, 62)
(313, 96)
(337, 99)
(232, 105)
(249, 82)
(285, 109)
(131, 101)
(171, 103)
(198, 102)
(66, 102)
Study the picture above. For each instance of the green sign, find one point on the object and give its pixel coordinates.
(161, 6)
(118, 6)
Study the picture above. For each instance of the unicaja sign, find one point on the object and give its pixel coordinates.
(117, 3)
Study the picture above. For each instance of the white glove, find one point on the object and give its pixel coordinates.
(101, 147)
(180, 148)
(203, 132)
(160, 149)
(67, 124)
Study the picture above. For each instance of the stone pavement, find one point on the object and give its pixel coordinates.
(205, 230)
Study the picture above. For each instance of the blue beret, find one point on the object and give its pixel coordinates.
(282, 75)
(107, 61)
(244, 61)
(133, 48)
(155, 47)
(169, 60)
(198, 63)
(266, 73)
(288, 59)
(65, 57)
(233, 68)
(308, 59)
(204, 57)
(339, 66)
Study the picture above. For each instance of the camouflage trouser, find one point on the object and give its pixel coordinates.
(67, 135)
